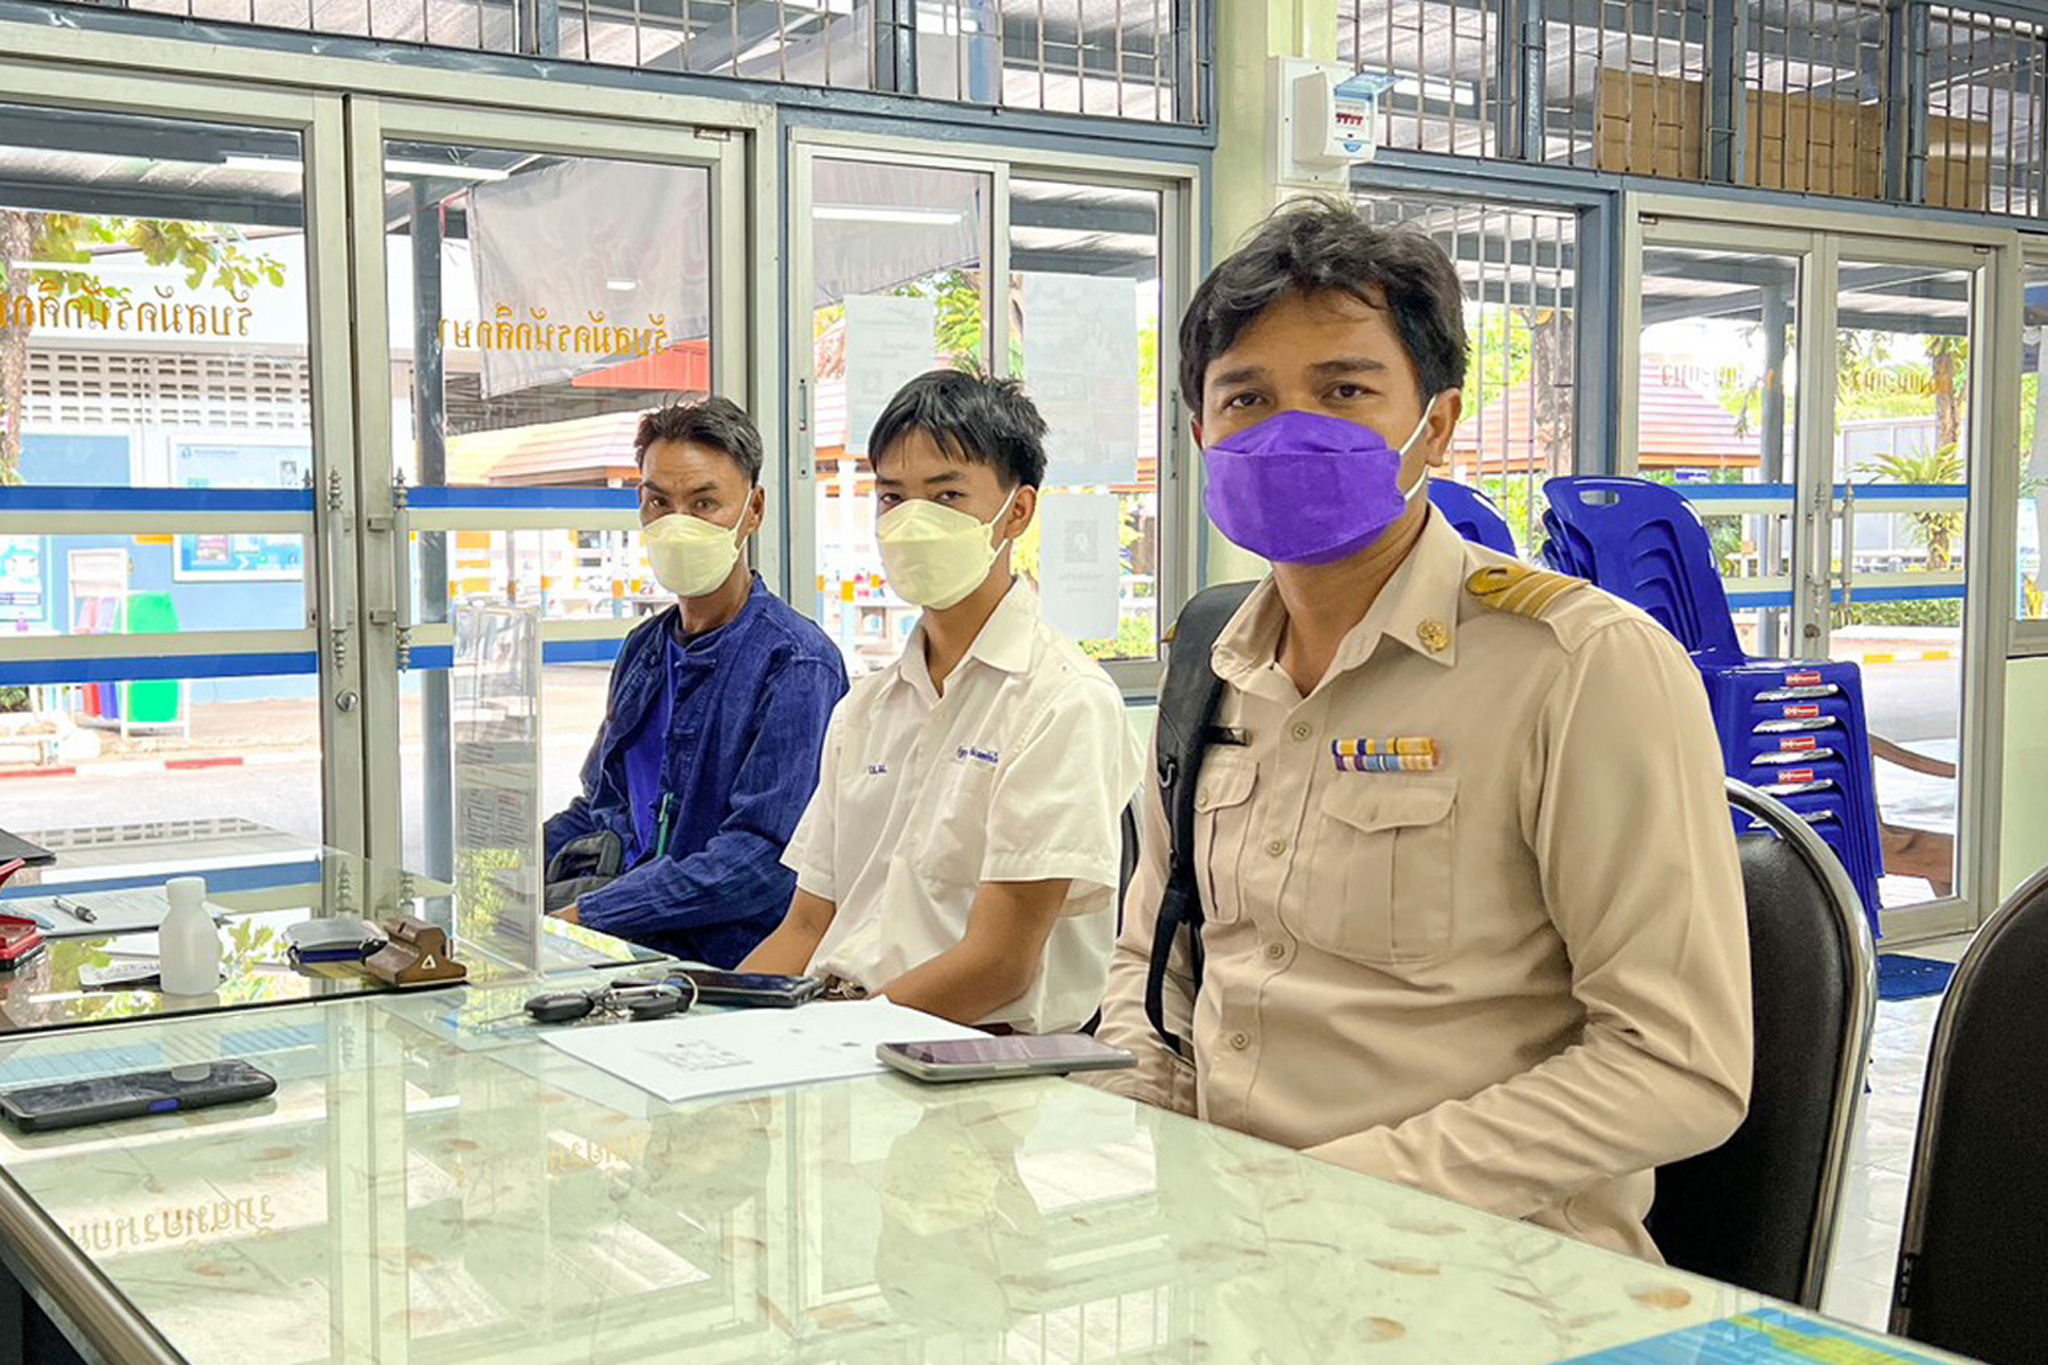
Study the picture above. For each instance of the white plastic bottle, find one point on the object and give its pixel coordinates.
(188, 945)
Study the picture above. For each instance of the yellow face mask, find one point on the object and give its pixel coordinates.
(935, 555)
(691, 556)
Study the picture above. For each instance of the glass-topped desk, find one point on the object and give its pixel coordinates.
(432, 1183)
(263, 881)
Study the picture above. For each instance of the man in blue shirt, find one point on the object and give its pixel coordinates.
(709, 748)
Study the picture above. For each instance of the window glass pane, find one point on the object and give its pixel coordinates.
(1519, 267)
(1085, 294)
(156, 750)
(154, 337)
(1716, 411)
(538, 306)
(1903, 377)
(153, 314)
(898, 255)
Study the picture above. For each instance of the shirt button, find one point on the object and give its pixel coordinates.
(1276, 951)
(1277, 847)
(1302, 729)
(1240, 1040)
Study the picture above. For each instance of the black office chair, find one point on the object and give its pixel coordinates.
(1129, 825)
(1130, 860)
(1760, 1211)
(1976, 1230)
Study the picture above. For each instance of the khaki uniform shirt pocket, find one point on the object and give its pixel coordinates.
(1223, 819)
(1380, 872)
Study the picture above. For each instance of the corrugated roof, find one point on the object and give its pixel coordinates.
(1678, 425)
(584, 452)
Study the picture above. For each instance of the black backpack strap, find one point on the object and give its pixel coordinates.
(1187, 707)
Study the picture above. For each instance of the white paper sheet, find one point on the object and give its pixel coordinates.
(140, 908)
(1081, 368)
(889, 342)
(698, 1055)
(582, 266)
(1079, 560)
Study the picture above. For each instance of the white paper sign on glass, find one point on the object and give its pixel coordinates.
(586, 265)
(496, 698)
(889, 342)
(1079, 563)
(1081, 367)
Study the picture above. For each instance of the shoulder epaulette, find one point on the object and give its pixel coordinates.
(1521, 589)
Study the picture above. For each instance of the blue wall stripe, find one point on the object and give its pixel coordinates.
(49, 498)
(1932, 592)
(47, 672)
(430, 658)
(524, 499)
(261, 877)
(1865, 492)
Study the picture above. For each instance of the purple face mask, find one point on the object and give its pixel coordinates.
(1301, 488)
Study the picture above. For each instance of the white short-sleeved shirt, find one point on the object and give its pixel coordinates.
(1020, 772)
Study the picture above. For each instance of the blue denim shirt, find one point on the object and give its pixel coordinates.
(745, 730)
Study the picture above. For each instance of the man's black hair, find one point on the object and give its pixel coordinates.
(972, 418)
(716, 422)
(1321, 246)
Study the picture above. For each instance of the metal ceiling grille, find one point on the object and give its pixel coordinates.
(1867, 99)
(1984, 133)
(1130, 59)
(1519, 268)
(1622, 81)
(1814, 91)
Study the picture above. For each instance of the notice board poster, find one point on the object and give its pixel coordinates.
(24, 595)
(231, 557)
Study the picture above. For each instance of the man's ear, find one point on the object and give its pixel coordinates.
(1443, 423)
(1023, 507)
(1195, 427)
(757, 511)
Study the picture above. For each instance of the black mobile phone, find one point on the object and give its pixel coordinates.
(987, 1059)
(71, 1104)
(749, 988)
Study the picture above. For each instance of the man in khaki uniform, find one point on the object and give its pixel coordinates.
(1474, 919)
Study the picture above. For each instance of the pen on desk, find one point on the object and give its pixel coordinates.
(79, 912)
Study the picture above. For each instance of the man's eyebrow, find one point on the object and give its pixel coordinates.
(1351, 364)
(653, 487)
(1243, 374)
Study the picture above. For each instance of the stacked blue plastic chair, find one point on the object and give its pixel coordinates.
(1474, 515)
(1793, 728)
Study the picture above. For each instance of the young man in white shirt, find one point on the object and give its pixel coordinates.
(961, 854)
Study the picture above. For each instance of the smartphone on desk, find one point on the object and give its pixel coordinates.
(72, 1104)
(987, 1059)
(755, 989)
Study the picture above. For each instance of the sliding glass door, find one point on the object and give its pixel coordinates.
(1819, 397)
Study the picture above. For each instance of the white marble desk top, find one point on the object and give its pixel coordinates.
(423, 1189)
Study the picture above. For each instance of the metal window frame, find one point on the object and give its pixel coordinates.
(1600, 299)
(1178, 182)
(1992, 254)
(29, 77)
(717, 146)
(2028, 638)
